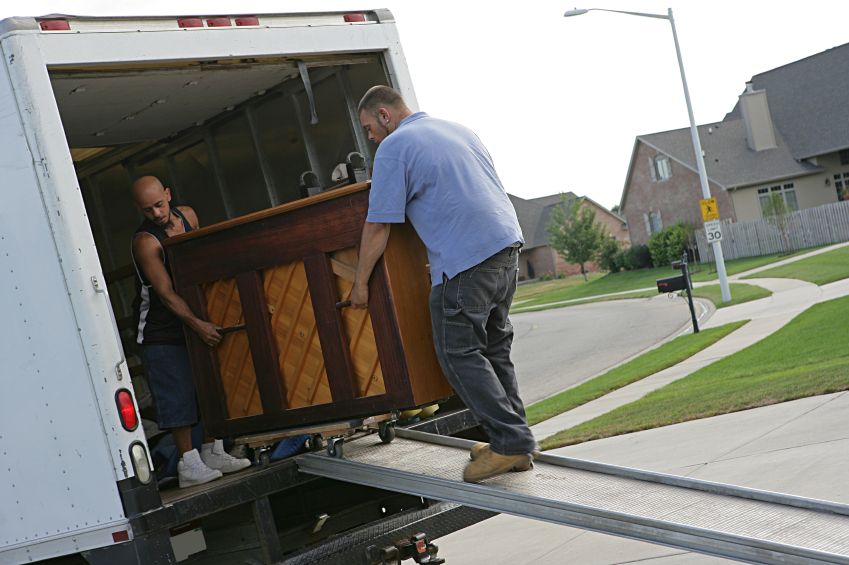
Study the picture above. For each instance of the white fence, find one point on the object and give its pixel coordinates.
(806, 228)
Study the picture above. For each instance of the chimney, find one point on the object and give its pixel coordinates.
(759, 131)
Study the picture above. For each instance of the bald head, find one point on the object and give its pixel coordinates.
(153, 199)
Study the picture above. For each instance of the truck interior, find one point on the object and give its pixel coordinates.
(229, 137)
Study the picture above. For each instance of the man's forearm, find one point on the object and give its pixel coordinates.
(178, 306)
(372, 246)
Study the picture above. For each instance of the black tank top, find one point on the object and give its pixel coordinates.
(157, 325)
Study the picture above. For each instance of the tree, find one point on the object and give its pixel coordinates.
(777, 213)
(574, 233)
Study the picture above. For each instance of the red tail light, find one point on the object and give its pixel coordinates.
(351, 18)
(127, 409)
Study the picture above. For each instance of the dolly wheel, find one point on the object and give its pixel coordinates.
(386, 431)
(335, 447)
(315, 442)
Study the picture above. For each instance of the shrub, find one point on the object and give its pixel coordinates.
(609, 256)
(635, 257)
(668, 244)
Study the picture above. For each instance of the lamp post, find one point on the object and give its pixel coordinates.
(697, 146)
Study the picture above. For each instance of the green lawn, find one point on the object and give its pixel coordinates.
(819, 269)
(739, 293)
(544, 292)
(665, 356)
(807, 357)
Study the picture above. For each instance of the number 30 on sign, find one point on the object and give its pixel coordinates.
(713, 231)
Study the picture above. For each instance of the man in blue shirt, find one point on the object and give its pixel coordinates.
(440, 176)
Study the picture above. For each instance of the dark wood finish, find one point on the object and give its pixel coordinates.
(263, 348)
(210, 391)
(331, 331)
(281, 272)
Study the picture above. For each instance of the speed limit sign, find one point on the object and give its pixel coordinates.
(713, 231)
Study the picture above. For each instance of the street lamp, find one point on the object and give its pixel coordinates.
(697, 146)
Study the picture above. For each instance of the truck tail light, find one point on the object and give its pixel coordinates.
(351, 18)
(247, 21)
(54, 25)
(141, 465)
(127, 410)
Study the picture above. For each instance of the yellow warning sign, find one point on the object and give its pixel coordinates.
(710, 211)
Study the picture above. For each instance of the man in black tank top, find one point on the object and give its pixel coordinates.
(163, 315)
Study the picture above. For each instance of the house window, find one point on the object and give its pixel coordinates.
(786, 191)
(841, 185)
(661, 170)
(844, 157)
(653, 222)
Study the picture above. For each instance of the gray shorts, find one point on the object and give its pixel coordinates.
(169, 376)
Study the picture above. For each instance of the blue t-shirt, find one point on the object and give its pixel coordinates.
(439, 174)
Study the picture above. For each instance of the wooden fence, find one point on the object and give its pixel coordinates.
(811, 227)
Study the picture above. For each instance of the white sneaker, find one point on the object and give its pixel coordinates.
(215, 457)
(192, 471)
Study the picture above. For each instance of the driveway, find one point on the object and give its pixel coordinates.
(556, 349)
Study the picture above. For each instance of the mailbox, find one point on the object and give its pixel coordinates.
(672, 284)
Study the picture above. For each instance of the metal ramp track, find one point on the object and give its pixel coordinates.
(723, 520)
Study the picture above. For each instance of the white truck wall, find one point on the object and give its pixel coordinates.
(68, 48)
(58, 353)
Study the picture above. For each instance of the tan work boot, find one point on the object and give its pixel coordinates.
(478, 449)
(489, 464)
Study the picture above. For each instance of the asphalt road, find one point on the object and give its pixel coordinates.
(556, 349)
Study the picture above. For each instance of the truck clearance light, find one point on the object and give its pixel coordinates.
(119, 536)
(190, 22)
(247, 21)
(218, 22)
(138, 456)
(127, 410)
(352, 18)
(54, 25)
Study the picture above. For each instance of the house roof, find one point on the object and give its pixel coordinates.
(809, 109)
(808, 102)
(534, 215)
(728, 160)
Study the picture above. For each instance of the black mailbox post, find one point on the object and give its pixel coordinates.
(680, 282)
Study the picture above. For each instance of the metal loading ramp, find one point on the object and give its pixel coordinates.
(737, 523)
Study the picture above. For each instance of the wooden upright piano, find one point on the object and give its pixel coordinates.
(292, 356)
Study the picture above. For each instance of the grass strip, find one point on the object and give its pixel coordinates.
(740, 293)
(649, 363)
(819, 269)
(807, 357)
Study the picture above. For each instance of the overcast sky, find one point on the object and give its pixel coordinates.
(559, 101)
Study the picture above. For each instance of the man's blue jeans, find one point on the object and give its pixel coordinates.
(473, 337)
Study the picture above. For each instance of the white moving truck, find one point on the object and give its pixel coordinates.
(235, 114)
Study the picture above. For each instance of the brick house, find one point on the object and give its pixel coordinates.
(786, 135)
(537, 257)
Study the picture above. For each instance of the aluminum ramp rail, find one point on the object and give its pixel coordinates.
(737, 523)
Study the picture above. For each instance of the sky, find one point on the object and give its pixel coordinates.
(559, 101)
